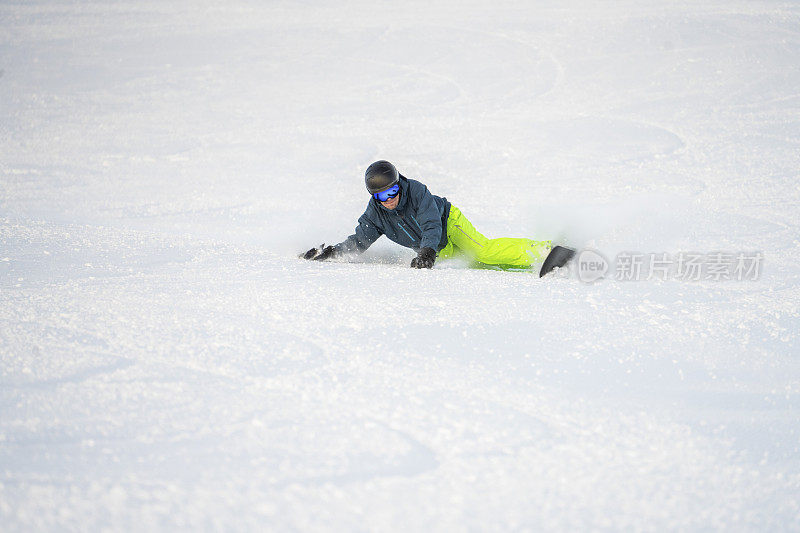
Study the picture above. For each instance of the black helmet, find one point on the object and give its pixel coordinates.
(380, 175)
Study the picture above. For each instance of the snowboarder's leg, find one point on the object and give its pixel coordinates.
(509, 251)
(448, 251)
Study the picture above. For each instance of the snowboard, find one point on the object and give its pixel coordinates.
(558, 257)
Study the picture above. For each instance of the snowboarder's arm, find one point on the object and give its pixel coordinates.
(366, 233)
(428, 218)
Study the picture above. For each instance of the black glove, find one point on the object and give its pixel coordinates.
(425, 258)
(320, 254)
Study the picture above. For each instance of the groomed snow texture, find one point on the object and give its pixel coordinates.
(167, 363)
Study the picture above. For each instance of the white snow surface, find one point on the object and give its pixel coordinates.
(168, 363)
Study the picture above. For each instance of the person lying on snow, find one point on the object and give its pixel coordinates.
(407, 213)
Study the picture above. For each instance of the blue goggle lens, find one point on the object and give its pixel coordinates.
(391, 192)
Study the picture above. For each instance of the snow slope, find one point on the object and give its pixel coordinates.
(167, 363)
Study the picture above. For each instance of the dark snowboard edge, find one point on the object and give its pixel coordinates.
(558, 257)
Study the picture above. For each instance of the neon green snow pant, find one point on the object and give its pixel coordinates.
(464, 239)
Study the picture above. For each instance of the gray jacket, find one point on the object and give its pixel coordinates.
(418, 221)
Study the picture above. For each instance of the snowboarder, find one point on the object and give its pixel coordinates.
(407, 213)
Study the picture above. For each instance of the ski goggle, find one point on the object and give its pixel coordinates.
(391, 192)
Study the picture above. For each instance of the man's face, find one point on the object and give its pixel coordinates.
(391, 203)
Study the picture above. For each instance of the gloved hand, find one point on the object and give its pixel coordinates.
(425, 258)
(320, 254)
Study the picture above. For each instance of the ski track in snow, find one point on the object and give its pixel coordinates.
(167, 363)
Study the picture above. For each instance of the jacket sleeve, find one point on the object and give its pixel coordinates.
(428, 218)
(366, 233)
